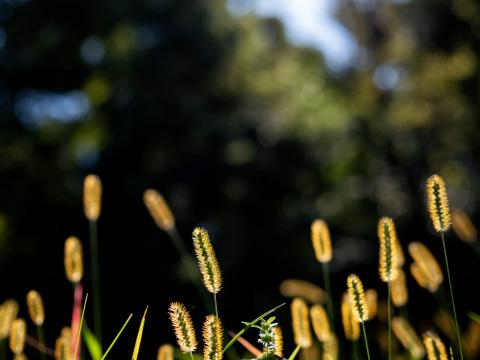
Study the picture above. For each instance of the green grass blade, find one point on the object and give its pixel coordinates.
(77, 340)
(116, 337)
(294, 353)
(231, 342)
(474, 317)
(139, 336)
(92, 343)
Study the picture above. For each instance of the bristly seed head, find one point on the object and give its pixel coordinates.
(159, 210)
(399, 289)
(300, 323)
(18, 333)
(212, 338)
(8, 313)
(321, 326)
(165, 352)
(427, 263)
(422, 279)
(63, 345)
(183, 327)
(322, 244)
(207, 261)
(435, 347)
(351, 327)
(407, 336)
(388, 264)
(73, 259)
(372, 299)
(35, 307)
(463, 226)
(437, 201)
(278, 336)
(92, 197)
(357, 297)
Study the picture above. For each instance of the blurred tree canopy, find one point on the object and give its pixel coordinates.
(242, 132)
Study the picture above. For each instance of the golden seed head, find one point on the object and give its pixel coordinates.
(321, 326)
(422, 279)
(407, 336)
(351, 327)
(207, 261)
(463, 226)
(434, 346)
(212, 338)
(92, 197)
(426, 262)
(73, 259)
(18, 333)
(159, 210)
(300, 288)
(8, 313)
(183, 327)
(321, 241)
(330, 348)
(35, 307)
(371, 296)
(357, 297)
(278, 336)
(165, 352)
(471, 340)
(300, 323)
(63, 345)
(437, 200)
(399, 289)
(388, 264)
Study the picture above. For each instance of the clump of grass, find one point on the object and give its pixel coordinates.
(359, 304)
(407, 336)
(183, 327)
(439, 210)
(434, 346)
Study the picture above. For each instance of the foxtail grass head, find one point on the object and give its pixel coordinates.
(18, 333)
(207, 260)
(372, 301)
(8, 313)
(463, 226)
(438, 207)
(165, 352)
(63, 345)
(320, 324)
(426, 263)
(278, 340)
(35, 306)
(159, 210)
(399, 289)
(322, 244)
(434, 346)
(212, 338)
(73, 259)
(388, 260)
(183, 327)
(92, 197)
(357, 297)
(351, 327)
(300, 324)
(293, 288)
(422, 278)
(407, 336)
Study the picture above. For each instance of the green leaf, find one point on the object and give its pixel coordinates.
(139, 336)
(294, 353)
(93, 345)
(249, 325)
(116, 337)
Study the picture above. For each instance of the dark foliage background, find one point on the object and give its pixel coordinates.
(243, 133)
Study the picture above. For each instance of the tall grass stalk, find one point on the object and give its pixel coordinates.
(389, 320)
(41, 339)
(97, 299)
(328, 288)
(451, 296)
(354, 350)
(294, 353)
(366, 340)
(79, 332)
(116, 337)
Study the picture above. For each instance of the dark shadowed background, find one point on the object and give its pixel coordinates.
(252, 119)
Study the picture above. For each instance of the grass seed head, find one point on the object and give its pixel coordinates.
(73, 259)
(165, 352)
(63, 345)
(278, 336)
(8, 313)
(92, 197)
(207, 260)
(437, 201)
(399, 289)
(422, 279)
(18, 333)
(304, 289)
(212, 338)
(322, 244)
(183, 327)
(351, 327)
(357, 297)
(426, 262)
(388, 259)
(434, 346)
(159, 210)
(407, 336)
(463, 226)
(372, 302)
(320, 324)
(300, 324)
(35, 307)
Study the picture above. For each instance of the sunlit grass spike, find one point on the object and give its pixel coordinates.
(92, 197)
(8, 313)
(463, 226)
(434, 346)
(357, 297)
(320, 324)
(300, 323)
(437, 201)
(35, 307)
(399, 289)
(351, 327)
(278, 335)
(207, 260)
(407, 337)
(388, 260)
(212, 338)
(322, 244)
(426, 262)
(18, 333)
(165, 352)
(183, 327)
(159, 209)
(73, 259)
(63, 345)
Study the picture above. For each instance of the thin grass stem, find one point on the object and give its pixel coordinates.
(97, 299)
(354, 350)
(451, 296)
(366, 340)
(3, 349)
(41, 339)
(216, 305)
(389, 321)
(191, 356)
(294, 353)
(116, 337)
(326, 281)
